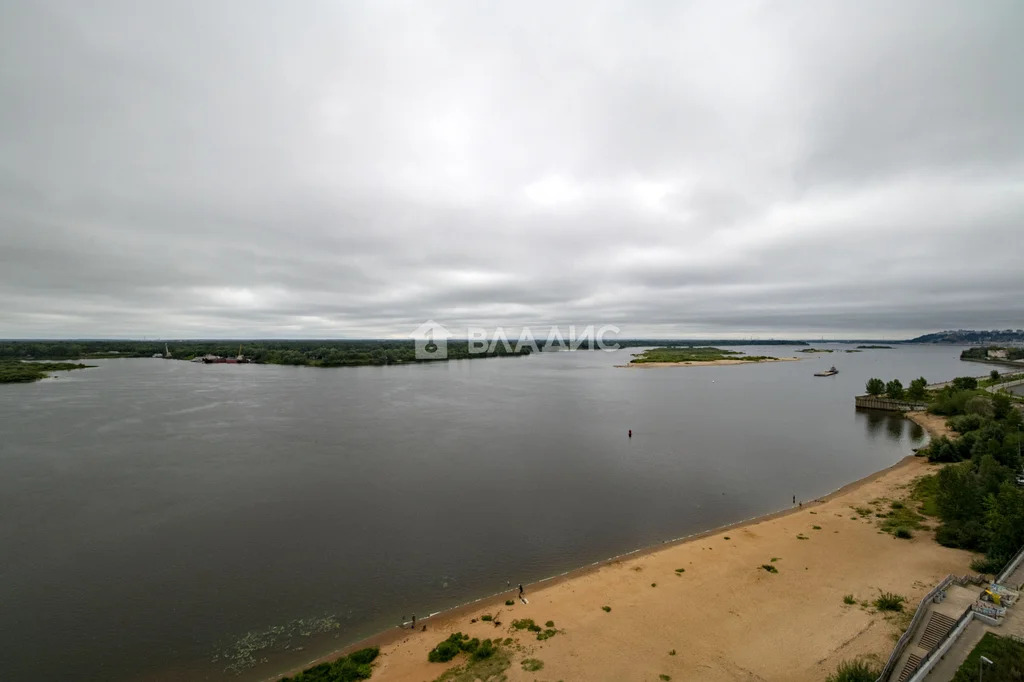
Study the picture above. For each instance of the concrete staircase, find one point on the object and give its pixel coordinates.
(908, 669)
(938, 627)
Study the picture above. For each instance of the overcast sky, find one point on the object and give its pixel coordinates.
(351, 169)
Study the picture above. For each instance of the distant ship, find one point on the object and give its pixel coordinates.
(831, 371)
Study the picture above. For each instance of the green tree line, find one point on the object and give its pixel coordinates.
(977, 496)
(894, 389)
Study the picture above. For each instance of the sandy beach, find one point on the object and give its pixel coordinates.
(706, 363)
(725, 617)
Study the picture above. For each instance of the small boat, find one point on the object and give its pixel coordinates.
(831, 371)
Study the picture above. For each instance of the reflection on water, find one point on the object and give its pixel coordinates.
(893, 425)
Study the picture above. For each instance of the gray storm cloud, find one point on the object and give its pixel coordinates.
(343, 169)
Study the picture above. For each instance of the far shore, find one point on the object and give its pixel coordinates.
(707, 363)
(724, 617)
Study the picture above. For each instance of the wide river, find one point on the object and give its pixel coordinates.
(174, 521)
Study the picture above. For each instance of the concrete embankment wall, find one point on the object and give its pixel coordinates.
(888, 404)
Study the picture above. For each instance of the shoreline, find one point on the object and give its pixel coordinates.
(495, 601)
(706, 363)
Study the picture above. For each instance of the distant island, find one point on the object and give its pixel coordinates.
(999, 355)
(312, 353)
(18, 372)
(359, 352)
(972, 337)
(689, 356)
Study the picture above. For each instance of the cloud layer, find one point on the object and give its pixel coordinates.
(275, 169)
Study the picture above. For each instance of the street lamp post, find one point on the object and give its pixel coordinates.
(981, 663)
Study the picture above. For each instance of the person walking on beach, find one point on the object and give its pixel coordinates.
(631, 433)
(520, 590)
(794, 499)
(414, 621)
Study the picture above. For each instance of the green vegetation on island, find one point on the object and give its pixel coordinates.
(682, 354)
(313, 353)
(997, 354)
(816, 350)
(15, 371)
(872, 347)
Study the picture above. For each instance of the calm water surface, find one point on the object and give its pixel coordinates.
(153, 513)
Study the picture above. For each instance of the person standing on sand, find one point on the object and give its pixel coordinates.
(794, 499)
(414, 621)
(520, 590)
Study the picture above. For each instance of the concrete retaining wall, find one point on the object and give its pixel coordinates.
(873, 403)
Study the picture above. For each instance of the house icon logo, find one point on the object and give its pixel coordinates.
(431, 341)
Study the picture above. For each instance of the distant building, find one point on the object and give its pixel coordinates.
(999, 354)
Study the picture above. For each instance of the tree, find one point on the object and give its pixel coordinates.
(965, 383)
(894, 389)
(1001, 405)
(917, 389)
(875, 387)
(980, 405)
(994, 375)
(1004, 519)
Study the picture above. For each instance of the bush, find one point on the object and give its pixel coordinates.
(848, 599)
(903, 532)
(549, 624)
(445, 651)
(363, 656)
(509, 602)
(457, 643)
(606, 609)
(770, 568)
(887, 601)
(980, 405)
(355, 666)
(487, 617)
(854, 671)
(986, 565)
(532, 665)
(484, 650)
